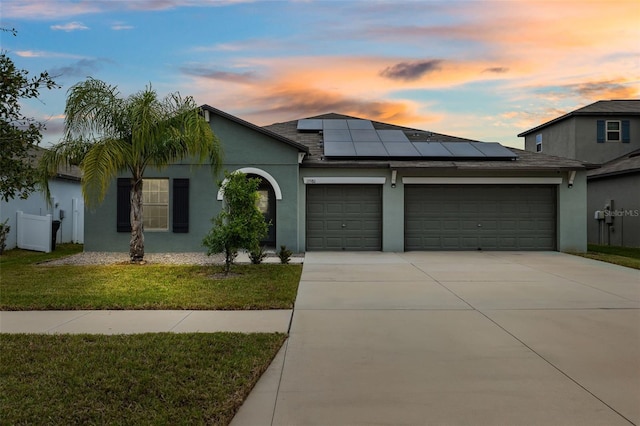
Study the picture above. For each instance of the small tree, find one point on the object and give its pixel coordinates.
(240, 224)
(19, 135)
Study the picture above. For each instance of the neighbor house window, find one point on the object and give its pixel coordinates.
(155, 198)
(613, 131)
(539, 142)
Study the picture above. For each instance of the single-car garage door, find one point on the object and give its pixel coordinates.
(480, 217)
(344, 217)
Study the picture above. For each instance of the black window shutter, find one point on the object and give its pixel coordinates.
(123, 205)
(181, 205)
(601, 131)
(626, 132)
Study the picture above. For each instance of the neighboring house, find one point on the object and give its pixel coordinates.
(67, 206)
(607, 134)
(613, 190)
(335, 182)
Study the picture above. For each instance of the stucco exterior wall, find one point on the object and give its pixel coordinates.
(572, 224)
(557, 139)
(621, 227)
(243, 147)
(571, 202)
(589, 150)
(576, 138)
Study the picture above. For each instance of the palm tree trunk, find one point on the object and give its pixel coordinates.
(136, 245)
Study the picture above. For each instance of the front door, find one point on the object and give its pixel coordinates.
(267, 205)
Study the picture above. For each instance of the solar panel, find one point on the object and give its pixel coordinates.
(432, 149)
(462, 150)
(396, 149)
(335, 124)
(360, 125)
(370, 149)
(494, 149)
(309, 125)
(339, 149)
(336, 135)
(358, 138)
(364, 136)
(392, 136)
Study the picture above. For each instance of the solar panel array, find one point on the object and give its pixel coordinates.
(358, 138)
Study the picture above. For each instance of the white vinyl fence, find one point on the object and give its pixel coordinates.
(34, 232)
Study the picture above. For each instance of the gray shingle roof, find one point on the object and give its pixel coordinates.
(628, 163)
(624, 107)
(64, 172)
(313, 141)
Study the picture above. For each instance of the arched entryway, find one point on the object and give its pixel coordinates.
(269, 192)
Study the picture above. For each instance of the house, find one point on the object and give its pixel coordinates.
(613, 195)
(336, 182)
(605, 134)
(67, 206)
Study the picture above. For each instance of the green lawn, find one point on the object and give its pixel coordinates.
(155, 378)
(27, 284)
(130, 379)
(624, 256)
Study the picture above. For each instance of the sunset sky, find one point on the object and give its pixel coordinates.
(484, 70)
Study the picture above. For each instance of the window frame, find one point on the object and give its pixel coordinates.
(607, 131)
(539, 142)
(146, 203)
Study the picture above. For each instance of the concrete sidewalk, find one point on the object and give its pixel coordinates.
(479, 338)
(131, 322)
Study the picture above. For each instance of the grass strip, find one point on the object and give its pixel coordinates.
(27, 285)
(158, 378)
(623, 256)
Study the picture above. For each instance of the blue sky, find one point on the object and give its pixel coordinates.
(484, 70)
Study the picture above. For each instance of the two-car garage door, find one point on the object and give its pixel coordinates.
(473, 217)
(436, 217)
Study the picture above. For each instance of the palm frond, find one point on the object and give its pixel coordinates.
(66, 153)
(94, 110)
(103, 162)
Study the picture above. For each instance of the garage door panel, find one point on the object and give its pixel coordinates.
(351, 217)
(333, 243)
(446, 225)
(467, 225)
(315, 225)
(511, 217)
(332, 225)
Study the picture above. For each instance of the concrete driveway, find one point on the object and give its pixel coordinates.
(456, 338)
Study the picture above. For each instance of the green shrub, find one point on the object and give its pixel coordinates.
(4, 231)
(284, 254)
(257, 255)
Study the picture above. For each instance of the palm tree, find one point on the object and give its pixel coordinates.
(106, 135)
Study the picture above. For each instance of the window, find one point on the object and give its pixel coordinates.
(155, 198)
(539, 142)
(613, 131)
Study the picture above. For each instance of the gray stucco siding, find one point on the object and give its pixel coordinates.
(100, 222)
(623, 227)
(576, 138)
(557, 139)
(588, 149)
(242, 147)
(571, 202)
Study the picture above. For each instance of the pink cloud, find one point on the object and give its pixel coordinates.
(70, 26)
